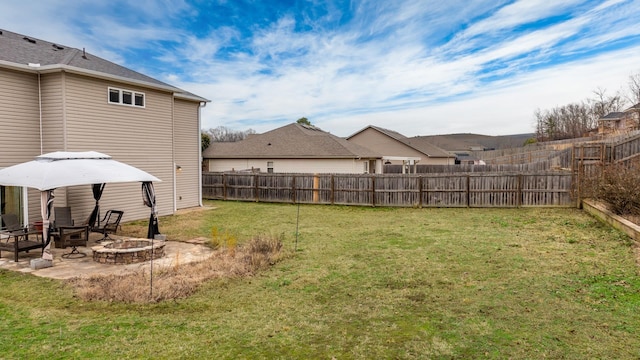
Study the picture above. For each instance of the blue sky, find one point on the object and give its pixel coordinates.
(419, 67)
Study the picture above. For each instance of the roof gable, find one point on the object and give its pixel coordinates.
(390, 133)
(415, 143)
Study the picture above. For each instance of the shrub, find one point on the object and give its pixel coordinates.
(173, 282)
(619, 186)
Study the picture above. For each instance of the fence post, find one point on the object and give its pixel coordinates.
(256, 194)
(468, 190)
(419, 191)
(224, 186)
(333, 190)
(519, 192)
(293, 189)
(316, 186)
(580, 177)
(373, 190)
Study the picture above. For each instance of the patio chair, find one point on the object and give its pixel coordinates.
(109, 224)
(62, 215)
(65, 233)
(16, 236)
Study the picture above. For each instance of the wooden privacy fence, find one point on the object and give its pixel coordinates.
(590, 159)
(408, 190)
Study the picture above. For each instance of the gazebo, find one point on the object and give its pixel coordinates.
(61, 169)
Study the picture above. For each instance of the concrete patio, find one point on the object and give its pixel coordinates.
(64, 268)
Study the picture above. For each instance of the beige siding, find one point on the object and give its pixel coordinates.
(53, 112)
(187, 155)
(141, 137)
(52, 88)
(335, 166)
(76, 116)
(20, 125)
(19, 117)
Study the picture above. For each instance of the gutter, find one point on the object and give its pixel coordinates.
(200, 158)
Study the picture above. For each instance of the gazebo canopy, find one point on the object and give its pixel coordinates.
(63, 168)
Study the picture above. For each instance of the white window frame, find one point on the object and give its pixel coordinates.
(270, 167)
(121, 91)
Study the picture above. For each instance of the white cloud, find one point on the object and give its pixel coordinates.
(414, 66)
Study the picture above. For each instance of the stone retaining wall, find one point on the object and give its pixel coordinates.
(105, 255)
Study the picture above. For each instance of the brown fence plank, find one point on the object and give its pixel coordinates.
(409, 190)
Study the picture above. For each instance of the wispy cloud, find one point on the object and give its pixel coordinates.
(420, 67)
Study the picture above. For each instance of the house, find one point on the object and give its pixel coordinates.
(292, 148)
(398, 149)
(58, 98)
(620, 121)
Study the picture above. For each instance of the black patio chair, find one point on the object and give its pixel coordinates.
(15, 237)
(109, 224)
(66, 233)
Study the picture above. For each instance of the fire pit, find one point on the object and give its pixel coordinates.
(128, 251)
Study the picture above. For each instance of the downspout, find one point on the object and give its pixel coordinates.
(40, 111)
(173, 153)
(25, 191)
(202, 105)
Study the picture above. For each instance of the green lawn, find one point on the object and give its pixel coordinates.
(364, 283)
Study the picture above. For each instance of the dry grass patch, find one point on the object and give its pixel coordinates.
(181, 281)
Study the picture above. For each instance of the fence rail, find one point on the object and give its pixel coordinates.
(407, 190)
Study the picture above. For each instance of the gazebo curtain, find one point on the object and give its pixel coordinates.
(46, 204)
(95, 214)
(149, 198)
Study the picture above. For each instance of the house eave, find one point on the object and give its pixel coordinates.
(46, 69)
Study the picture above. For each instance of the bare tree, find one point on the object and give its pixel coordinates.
(634, 88)
(634, 96)
(602, 104)
(576, 119)
(564, 122)
(225, 134)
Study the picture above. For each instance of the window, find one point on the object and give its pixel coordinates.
(270, 167)
(126, 97)
(139, 99)
(11, 201)
(114, 95)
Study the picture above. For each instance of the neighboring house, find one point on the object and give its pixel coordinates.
(465, 158)
(57, 98)
(293, 148)
(620, 121)
(398, 149)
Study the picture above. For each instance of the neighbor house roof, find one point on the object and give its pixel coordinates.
(616, 115)
(26, 53)
(293, 141)
(418, 144)
(635, 107)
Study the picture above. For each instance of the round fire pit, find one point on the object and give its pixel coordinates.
(128, 251)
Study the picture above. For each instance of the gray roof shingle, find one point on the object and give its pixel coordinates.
(24, 50)
(616, 115)
(290, 141)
